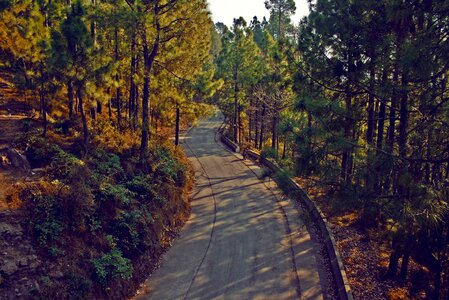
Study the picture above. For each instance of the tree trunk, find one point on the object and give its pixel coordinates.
(43, 110)
(70, 97)
(132, 89)
(394, 102)
(149, 60)
(118, 92)
(284, 148)
(236, 103)
(403, 116)
(177, 125)
(381, 116)
(393, 264)
(347, 153)
(404, 266)
(43, 102)
(83, 119)
(262, 126)
(250, 121)
(256, 124)
(274, 132)
(370, 130)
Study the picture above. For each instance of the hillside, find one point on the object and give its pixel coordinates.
(82, 227)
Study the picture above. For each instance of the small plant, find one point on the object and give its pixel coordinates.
(64, 164)
(141, 185)
(283, 179)
(112, 265)
(107, 163)
(268, 152)
(44, 207)
(168, 166)
(46, 281)
(118, 193)
(56, 251)
(131, 230)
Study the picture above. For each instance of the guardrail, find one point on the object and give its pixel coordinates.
(298, 194)
(233, 146)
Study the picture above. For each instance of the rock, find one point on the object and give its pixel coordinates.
(8, 229)
(56, 274)
(35, 264)
(13, 158)
(1, 280)
(9, 268)
(23, 262)
(36, 286)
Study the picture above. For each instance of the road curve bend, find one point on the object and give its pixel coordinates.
(242, 241)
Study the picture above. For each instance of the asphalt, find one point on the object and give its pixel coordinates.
(244, 240)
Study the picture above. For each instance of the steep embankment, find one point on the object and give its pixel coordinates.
(75, 227)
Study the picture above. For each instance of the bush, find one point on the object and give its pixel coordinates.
(65, 164)
(44, 209)
(132, 230)
(165, 164)
(283, 180)
(112, 265)
(141, 185)
(40, 152)
(268, 152)
(106, 163)
(118, 193)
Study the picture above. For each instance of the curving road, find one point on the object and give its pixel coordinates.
(243, 240)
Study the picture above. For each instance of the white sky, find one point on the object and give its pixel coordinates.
(226, 10)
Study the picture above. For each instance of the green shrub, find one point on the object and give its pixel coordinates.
(268, 152)
(166, 165)
(117, 192)
(45, 224)
(142, 186)
(283, 180)
(112, 265)
(65, 164)
(106, 163)
(126, 229)
(40, 152)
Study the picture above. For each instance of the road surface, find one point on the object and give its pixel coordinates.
(242, 241)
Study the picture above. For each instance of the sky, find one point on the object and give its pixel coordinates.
(226, 10)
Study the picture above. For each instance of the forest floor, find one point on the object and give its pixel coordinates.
(14, 111)
(364, 253)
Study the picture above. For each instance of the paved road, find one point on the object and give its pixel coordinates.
(241, 242)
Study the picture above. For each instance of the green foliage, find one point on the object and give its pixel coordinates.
(40, 152)
(168, 166)
(142, 186)
(65, 164)
(112, 265)
(116, 192)
(268, 152)
(107, 163)
(46, 226)
(284, 182)
(131, 228)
